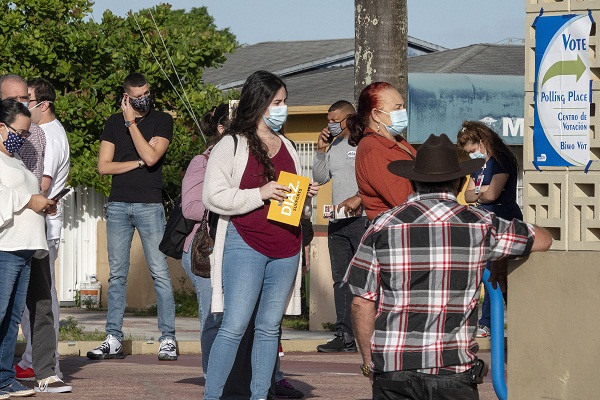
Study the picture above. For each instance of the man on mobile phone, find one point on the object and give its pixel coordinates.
(47, 156)
(132, 150)
(334, 160)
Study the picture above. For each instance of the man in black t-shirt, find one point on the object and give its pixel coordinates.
(132, 150)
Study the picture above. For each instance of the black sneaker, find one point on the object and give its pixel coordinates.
(110, 348)
(337, 345)
(285, 390)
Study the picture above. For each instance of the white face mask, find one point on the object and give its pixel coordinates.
(477, 154)
(277, 117)
(399, 121)
(37, 105)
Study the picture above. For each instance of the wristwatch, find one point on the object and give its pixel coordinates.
(129, 123)
(365, 369)
(141, 163)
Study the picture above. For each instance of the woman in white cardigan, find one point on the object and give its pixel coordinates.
(22, 234)
(255, 261)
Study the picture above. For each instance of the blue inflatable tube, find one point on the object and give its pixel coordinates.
(497, 340)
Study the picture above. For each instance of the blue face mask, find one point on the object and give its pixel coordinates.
(277, 117)
(477, 154)
(13, 142)
(399, 121)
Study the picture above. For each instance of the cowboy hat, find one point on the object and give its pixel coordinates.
(436, 161)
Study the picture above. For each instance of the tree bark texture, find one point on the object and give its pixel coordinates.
(381, 44)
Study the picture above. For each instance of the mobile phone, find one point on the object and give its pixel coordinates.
(61, 194)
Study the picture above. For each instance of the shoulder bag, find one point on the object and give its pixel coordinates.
(177, 229)
(202, 248)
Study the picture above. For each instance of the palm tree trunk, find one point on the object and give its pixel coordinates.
(381, 46)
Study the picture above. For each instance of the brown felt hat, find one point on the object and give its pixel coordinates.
(436, 161)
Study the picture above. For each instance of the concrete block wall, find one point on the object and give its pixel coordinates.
(554, 296)
(565, 200)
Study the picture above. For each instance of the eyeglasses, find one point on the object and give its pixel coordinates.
(23, 133)
(19, 98)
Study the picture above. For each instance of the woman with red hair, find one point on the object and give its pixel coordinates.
(376, 129)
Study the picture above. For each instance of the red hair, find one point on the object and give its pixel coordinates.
(368, 100)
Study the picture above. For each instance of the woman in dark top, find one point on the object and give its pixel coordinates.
(493, 188)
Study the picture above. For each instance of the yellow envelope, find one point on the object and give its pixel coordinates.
(290, 210)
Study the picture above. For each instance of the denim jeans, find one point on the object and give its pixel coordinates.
(486, 314)
(344, 237)
(250, 278)
(149, 220)
(411, 385)
(209, 323)
(15, 268)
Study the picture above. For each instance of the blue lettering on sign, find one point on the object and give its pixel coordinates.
(573, 44)
(566, 146)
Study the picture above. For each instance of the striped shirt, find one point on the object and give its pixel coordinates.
(33, 150)
(423, 261)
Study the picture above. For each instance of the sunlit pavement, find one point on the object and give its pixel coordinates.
(318, 375)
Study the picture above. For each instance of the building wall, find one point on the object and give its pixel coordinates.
(552, 316)
(140, 289)
(554, 296)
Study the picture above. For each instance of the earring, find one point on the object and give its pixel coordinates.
(378, 127)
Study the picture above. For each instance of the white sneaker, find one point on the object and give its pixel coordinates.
(52, 384)
(167, 351)
(110, 348)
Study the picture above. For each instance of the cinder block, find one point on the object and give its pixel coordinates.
(583, 211)
(545, 201)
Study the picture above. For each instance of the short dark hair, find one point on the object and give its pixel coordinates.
(10, 109)
(134, 79)
(435, 187)
(44, 91)
(342, 105)
(10, 77)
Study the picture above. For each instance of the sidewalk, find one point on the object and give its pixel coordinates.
(140, 375)
(145, 333)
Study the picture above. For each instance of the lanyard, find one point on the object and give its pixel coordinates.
(479, 182)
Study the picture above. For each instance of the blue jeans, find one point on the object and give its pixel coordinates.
(15, 268)
(250, 279)
(149, 220)
(486, 314)
(209, 323)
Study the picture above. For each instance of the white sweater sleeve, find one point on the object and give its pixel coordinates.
(11, 202)
(221, 192)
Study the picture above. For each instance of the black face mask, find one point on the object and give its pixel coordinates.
(141, 103)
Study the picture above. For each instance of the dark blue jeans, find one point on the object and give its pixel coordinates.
(409, 385)
(344, 238)
(15, 268)
(486, 318)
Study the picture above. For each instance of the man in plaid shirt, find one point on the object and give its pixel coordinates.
(423, 262)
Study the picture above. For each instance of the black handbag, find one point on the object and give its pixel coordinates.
(177, 229)
(202, 248)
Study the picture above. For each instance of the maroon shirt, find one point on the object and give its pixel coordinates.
(269, 238)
